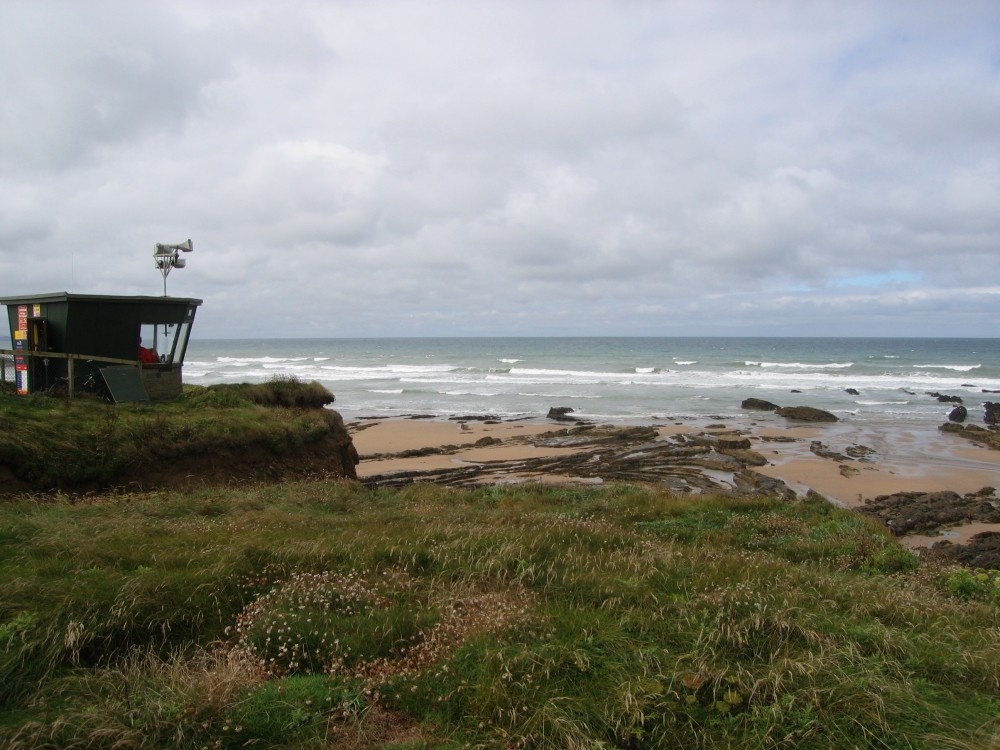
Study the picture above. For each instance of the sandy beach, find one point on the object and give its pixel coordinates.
(846, 463)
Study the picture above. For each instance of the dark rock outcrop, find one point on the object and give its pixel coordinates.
(561, 414)
(759, 404)
(752, 483)
(989, 437)
(852, 391)
(732, 441)
(981, 551)
(958, 414)
(928, 512)
(806, 414)
(823, 451)
(992, 415)
(945, 399)
(860, 452)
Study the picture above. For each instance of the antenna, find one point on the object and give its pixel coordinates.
(167, 257)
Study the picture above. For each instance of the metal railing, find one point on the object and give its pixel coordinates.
(7, 362)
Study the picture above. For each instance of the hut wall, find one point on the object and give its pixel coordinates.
(162, 382)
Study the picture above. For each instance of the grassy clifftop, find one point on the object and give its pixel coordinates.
(324, 614)
(210, 434)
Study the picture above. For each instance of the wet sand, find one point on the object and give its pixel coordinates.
(904, 460)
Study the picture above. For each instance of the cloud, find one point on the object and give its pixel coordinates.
(83, 77)
(450, 168)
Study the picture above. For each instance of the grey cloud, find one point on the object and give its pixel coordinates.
(594, 167)
(82, 76)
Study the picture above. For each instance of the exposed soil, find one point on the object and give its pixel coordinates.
(327, 457)
(11, 484)
(377, 727)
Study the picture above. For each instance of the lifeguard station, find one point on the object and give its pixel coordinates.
(69, 341)
(131, 348)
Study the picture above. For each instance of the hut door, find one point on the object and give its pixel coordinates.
(38, 367)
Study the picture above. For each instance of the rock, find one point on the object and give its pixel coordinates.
(920, 512)
(561, 414)
(992, 413)
(981, 551)
(958, 414)
(732, 441)
(823, 451)
(715, 461)
(806, 414)
(989, 437)
(626, 434)
(745, 457)
(945, 399)
(861, 452)
(487, 441)
(595, 436)
(749, 482)
(852, 391)
(759, 404)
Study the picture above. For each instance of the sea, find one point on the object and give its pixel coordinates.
(622, 379)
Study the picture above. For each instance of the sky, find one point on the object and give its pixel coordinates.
(510, 168)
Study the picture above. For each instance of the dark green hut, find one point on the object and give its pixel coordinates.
(99, 331)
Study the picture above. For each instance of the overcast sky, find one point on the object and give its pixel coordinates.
(369, 168)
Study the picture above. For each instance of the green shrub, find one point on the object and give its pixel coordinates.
(223, 396)
(285, 391)
(979, 585)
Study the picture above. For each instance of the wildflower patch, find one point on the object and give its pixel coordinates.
(364, 625)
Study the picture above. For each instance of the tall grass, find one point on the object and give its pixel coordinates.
(321, 614)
